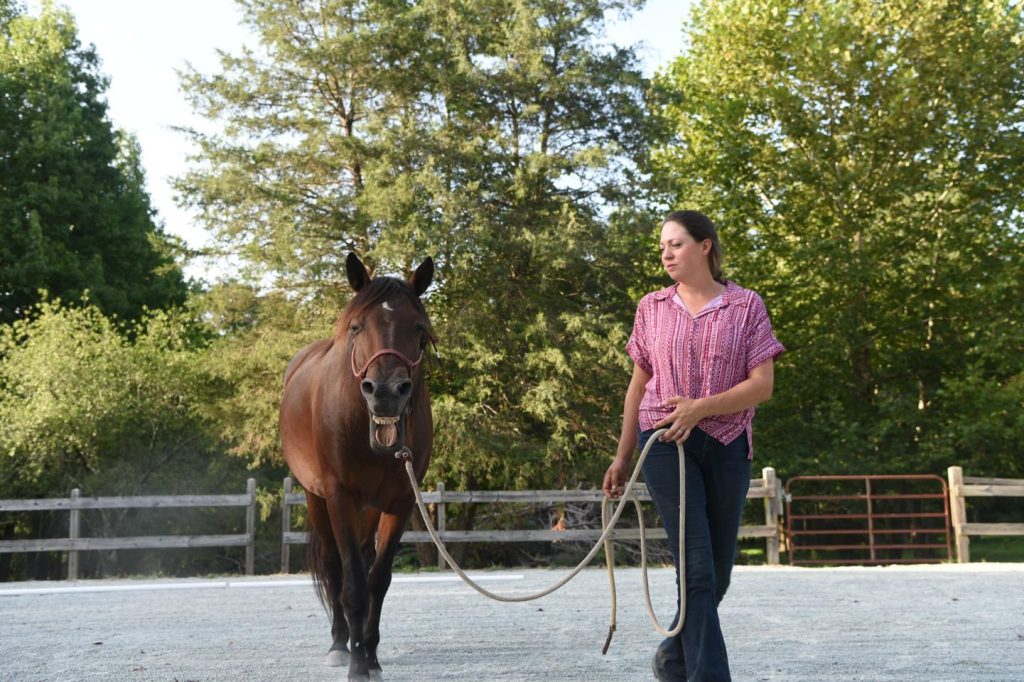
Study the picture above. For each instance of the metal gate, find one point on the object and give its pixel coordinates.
(867, 520)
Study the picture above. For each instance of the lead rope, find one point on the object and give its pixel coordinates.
(605, 541)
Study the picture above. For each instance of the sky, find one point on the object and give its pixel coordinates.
(143, 43)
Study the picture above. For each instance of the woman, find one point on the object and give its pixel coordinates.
(703, 352)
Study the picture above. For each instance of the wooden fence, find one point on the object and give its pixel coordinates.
(961, 487)
(767, 488)
(74, 543)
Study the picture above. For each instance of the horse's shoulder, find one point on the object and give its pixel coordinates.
(316, 349)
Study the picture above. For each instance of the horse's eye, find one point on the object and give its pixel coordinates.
(355, 328)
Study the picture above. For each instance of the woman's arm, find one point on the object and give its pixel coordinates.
(631, 413)
(618, 472)
(755, 389)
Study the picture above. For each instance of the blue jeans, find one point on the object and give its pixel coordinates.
(717, 479)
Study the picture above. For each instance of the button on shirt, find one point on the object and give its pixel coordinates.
(700, 356)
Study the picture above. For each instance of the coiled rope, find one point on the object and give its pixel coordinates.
(607, 524)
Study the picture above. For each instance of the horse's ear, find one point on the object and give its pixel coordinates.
(358, 276)
(423, 276)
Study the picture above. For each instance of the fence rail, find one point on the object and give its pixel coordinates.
(767, 488)
(961, 487)
(74, 543)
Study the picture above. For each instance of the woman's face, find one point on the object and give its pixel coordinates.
(681, 255)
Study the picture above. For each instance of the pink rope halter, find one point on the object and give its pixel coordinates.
(409, 364)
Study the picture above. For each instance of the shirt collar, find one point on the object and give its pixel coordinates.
(730, 290)
(665, 293)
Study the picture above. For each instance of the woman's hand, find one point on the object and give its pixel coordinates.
(684, 417)
(616, 477)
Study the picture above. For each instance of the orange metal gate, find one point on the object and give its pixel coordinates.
(867, 520)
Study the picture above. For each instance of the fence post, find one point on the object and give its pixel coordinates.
(958, 512)
(440, 521)
(871, 519)
(250, 527)
(286, 526)
(74, 529)
(771, 515)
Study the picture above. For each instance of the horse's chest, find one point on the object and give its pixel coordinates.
(378, 487)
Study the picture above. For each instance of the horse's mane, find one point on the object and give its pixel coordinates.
(377, 291)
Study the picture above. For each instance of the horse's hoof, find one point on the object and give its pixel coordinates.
(376, 675)
(337, 658)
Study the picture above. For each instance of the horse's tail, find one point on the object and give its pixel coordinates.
(324, 579)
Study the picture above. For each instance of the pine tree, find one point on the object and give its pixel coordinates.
(74, 214)
(502, 137)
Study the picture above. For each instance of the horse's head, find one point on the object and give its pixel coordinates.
(387, 332)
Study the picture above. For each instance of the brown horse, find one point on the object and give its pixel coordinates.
(352, 405)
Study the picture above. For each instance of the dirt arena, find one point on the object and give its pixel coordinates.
(945, 622)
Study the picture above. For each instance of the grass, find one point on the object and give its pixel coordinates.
(994, 548)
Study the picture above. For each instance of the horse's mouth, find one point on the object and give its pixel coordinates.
(385, 430)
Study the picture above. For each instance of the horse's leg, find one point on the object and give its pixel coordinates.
(325, 562)
(389, 532)
(371, 516)
(344, 512)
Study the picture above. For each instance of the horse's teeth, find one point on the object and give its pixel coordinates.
(384, 420)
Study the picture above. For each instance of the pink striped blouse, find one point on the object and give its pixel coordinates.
(700, 356)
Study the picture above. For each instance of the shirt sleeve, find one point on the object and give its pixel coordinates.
(761, 342)
(637, 345)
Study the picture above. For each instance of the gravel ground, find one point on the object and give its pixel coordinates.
(944, 622)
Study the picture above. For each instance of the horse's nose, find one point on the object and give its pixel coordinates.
(368, 387)
(380, 389)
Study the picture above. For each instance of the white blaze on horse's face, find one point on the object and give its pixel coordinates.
(389, 337)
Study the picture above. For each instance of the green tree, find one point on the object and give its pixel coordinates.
(540, 152)
(257, 334)
(8, 10)
(503, 138)
(111, 409)
(74, 215)
(83, 405)
(303, 119)
(866, 162)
